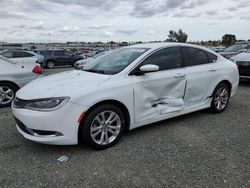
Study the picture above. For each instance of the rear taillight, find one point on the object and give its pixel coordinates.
(37, 70)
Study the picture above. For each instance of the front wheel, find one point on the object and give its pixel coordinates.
(221, 97)
(103, 126)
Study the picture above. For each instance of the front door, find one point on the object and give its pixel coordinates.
(160, 92)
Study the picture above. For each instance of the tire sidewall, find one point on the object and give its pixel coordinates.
(87, 121)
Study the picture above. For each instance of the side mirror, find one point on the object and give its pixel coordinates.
(149, 68)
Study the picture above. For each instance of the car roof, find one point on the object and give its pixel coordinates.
(162, 45)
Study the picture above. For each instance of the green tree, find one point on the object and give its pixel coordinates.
(178, 36)
(228, 40)
(73, 50)
(33, 47)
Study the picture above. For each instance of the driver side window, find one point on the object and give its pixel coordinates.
(168, 58)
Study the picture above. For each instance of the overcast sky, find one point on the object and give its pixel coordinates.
(121, 20)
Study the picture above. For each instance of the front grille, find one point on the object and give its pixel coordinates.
(243, 63)
(19, 103)
(244, 70)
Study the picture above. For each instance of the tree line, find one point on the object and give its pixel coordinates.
(181, 36)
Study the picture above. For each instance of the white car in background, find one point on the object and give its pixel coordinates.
(13, 76)
(83, 62)
(125, 89)
(22, 56)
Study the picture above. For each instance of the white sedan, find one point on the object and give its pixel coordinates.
(13, 76)
(126, 89)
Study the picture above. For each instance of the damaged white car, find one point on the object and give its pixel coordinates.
(126, 89)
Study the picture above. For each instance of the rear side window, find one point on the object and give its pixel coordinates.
(68, 53)
(46, 52)
(59, 53)
(18, 54)
(212, 58)
(7, 54)
(194, 56)
(168, 58)
(26, 54)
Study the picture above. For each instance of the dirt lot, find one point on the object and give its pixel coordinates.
(195, 150)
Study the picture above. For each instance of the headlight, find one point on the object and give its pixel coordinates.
(46, 105)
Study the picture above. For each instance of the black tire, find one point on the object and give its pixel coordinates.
(50, 64)
(214, 108)
(12, 87)
(88, 120)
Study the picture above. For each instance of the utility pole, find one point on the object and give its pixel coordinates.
(49, 37)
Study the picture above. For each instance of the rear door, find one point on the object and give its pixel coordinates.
(60, 58)
(201, 69)
(161, 92)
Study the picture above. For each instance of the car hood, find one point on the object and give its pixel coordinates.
(228, 54)
(62, 84)
(241, 57)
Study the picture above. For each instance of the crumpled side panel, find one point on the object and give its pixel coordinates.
(157, 97)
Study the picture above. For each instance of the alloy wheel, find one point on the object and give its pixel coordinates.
(6, 95)
(105, 127)
(221, 98)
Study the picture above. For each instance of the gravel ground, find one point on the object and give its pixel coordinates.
(195, 150)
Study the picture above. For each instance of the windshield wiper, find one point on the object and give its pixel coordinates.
(95, 71)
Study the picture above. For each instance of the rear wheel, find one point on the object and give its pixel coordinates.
(50, 64)
(221, 97)
(103, 126)
(7, 93)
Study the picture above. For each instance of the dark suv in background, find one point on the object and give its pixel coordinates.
(54, 58)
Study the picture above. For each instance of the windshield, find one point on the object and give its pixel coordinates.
(236, 48)
(116, 61)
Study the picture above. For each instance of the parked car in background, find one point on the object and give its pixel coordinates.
(125, 89)
(83, 62)
(13, 76)
(23, 56)
(55, 58)
(235, 49)
(242, 60)
(218, 49)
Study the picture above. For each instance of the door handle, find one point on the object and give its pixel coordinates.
(179, 76)
(212, 70)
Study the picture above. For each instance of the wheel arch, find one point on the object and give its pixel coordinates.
(117, 103)
(228, 83)
(10, 82)
(50, 60)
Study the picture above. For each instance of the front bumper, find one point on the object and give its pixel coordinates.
(59, 127)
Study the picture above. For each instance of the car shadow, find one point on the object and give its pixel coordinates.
(244, 82)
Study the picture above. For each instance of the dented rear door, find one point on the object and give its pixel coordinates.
(161, 92)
